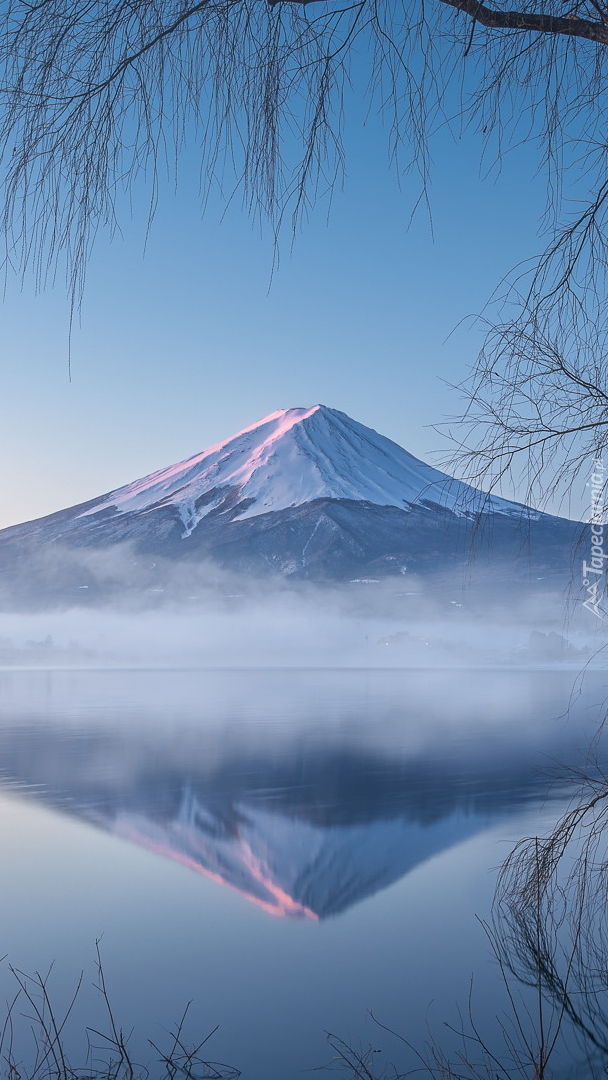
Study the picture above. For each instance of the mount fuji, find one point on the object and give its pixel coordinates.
(305, 492)
(291, 458)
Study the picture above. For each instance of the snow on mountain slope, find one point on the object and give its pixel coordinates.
(295, 456)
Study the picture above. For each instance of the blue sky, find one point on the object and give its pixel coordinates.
(185, 344)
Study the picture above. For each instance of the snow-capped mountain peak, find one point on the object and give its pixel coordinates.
(293, 457)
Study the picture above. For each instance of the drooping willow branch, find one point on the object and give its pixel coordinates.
(99, 98)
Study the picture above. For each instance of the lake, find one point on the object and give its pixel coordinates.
(287, 850)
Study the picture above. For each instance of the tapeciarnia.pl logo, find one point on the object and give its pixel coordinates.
(594, 571)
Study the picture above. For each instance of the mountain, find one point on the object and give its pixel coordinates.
(304, 492)
(292, 458)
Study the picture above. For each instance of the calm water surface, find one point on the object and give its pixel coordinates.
(288, 850)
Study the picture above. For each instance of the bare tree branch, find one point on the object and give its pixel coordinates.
(536, 22)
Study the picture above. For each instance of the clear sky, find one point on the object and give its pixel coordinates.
(185, 344)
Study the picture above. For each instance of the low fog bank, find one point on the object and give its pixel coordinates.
(206, 617)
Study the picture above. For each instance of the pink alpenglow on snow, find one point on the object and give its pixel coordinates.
(293, 457)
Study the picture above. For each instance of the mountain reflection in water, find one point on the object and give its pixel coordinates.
(301, 823)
